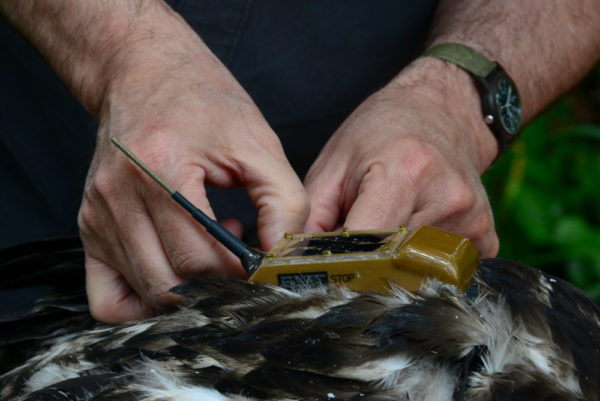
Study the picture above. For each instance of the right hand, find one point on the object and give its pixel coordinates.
(412, 153)
(181, 112)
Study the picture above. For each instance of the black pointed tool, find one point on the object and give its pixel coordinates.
(251, 258)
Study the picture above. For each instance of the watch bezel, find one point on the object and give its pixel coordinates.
(487, 87)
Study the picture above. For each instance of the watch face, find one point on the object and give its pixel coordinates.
(509, 105)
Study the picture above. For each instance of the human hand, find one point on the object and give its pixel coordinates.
(181, 112)
(410, 154)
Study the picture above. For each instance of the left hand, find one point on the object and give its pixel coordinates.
(411, 154)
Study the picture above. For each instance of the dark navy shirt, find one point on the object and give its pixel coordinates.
(307, 64)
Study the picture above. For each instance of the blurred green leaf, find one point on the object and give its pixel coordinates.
(545, 191)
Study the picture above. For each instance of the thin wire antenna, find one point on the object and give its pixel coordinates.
(141, 165)
(251, 258)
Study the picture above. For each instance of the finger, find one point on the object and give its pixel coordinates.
(190, 250)
(146, 256)
(113, 290)
(488, 244)
(111, 298)
(462, 208)
(234, 226)
(324, 189)
(125, 240)
(276, 191)
(382, 201)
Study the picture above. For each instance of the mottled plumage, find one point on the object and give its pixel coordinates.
(518, 334)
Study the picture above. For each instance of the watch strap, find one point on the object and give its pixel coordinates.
(464, 57)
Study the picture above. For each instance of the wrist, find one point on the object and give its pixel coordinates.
(144, 49)
(452, 94)
(162, 57)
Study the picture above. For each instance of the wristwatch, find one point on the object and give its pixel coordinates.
(500, 100)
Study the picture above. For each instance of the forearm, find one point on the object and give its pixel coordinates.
(90, 44)
(546, 46)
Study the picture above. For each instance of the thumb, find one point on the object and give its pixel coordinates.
(277, 193)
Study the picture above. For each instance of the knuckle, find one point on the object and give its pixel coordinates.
(188, 263)
(85, 216)
(99, 311)
(419, 160)
(376, 171)
(104, 308)
(461, 199)
(485, 234)
(481, 232)
(258, 140)
(298, 204)
(103, 184)
(89, 216)
(481, 226)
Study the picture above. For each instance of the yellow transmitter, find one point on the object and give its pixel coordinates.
(369, 260)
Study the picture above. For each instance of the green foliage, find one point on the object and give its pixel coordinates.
(545, 192)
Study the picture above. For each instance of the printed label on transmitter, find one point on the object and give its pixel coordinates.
(299, 282)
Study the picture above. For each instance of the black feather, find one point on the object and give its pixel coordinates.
(518, 334)
(79, 389)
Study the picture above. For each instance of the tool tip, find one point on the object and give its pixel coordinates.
(141, 165)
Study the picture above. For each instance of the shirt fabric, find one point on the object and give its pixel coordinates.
(306, 64)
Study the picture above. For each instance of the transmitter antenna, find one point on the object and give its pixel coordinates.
(251, 258)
